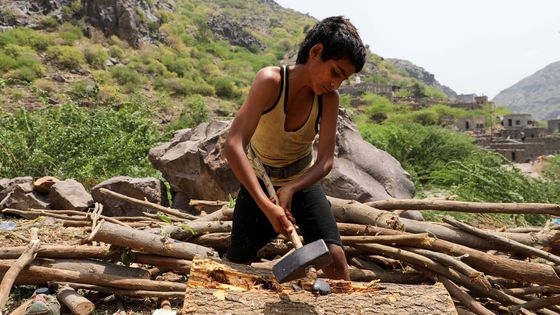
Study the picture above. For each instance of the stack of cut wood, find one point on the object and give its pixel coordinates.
(484, 271)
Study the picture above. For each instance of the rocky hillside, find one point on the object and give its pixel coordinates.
(175, 52)
(421, 75)
(538, 94)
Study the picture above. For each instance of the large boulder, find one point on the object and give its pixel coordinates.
(70, 195)
(362, 172)
(152, 189)
(22, 197)
(193, 164)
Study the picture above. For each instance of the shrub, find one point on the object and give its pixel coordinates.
(127, 77)
(96, 56)
(45, 85)
(66, 57)
(72, 142)
(194, 113)
(225, 87)
(116, 52)
(26, 37)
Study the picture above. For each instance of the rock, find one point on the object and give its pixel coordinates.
(44, 184)
(226, 28)
(120, 17)
(7, 185)
(193, 164)
(70, 195)
(23, 197)
(30, 13)
(149, 188)
(362, 172)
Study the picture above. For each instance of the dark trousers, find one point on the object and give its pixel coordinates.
(252, 230)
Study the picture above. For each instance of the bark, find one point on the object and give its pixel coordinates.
(261, 294)
(13, 271)
(522, 271)
(76, 303)
(369, 272)
(223, 214)
(100, 252)
(382, 239)
(147, 204)
(537, 304)
(392, 299)
(41, 275)
(196, 228)
(93, 266)
(513, 245)
(67, 216)
(464, 298)
(355, 212)
(473, 207)
(131, 293)
(217, 241)
(147, 242)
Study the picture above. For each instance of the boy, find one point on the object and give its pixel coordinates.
(284, 110)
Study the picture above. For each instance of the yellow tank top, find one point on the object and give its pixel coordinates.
(275, 146)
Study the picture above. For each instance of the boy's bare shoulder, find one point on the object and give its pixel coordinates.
(331, 97)
(269, 76)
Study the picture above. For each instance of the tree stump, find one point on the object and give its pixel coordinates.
(218, 288)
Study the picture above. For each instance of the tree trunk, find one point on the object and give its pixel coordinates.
(76, 303)
(354, 212)
(147, 242)
(93, 266)
(473, 207)
(247, 290)
(41, 275)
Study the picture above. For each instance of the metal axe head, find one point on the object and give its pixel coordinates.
(293, 266)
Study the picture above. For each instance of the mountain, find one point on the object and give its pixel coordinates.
(173, 52)
(421, 75)
(537, 94)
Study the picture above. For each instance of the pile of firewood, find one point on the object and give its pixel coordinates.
(484, 271)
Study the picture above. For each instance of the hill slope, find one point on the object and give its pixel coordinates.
(537, 94)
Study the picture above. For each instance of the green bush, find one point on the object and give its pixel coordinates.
(66, 57)
(70, 33)
(127, 77)
(116, 52)
(26, 37)
(194, 113)
(96, 56)
(25, 66)
(225, 87)
(73, 142)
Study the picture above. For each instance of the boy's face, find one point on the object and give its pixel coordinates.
(329, 74)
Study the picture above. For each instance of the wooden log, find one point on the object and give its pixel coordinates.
(355, 212)
(76, 303)
(130, 293)
(223, 214)
(248, 291)
(93, 266)
(353, 229)
(515, 246)
(14, 269)
(537, 304)
(41, 275)
(381, 239)
(147, 242)
(100, 252)
(368, 272)
(522, 271)
(72, 216)
(423, 263)
(147, 204)
(461, 206)
(217, 241)
(463, 297)
(194, 228)
(531, 290)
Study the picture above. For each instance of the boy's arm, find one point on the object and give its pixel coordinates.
(262, 94)
(325, 152)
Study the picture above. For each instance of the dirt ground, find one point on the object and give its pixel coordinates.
(52, 232)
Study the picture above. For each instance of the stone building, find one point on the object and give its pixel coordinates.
(474, 123)
(554, 125)
(518, 121)
(358, 89)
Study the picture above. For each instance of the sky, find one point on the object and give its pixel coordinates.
(472, 46)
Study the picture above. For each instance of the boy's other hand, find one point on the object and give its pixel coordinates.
(285, 195)
(279, 220)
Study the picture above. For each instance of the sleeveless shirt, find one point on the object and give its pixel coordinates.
(275, 146)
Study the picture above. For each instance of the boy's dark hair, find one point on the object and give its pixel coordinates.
(340, 40)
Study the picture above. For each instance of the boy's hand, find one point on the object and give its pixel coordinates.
(285, 195)
(279, 220)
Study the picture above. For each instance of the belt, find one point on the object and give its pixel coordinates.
(289, 170)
